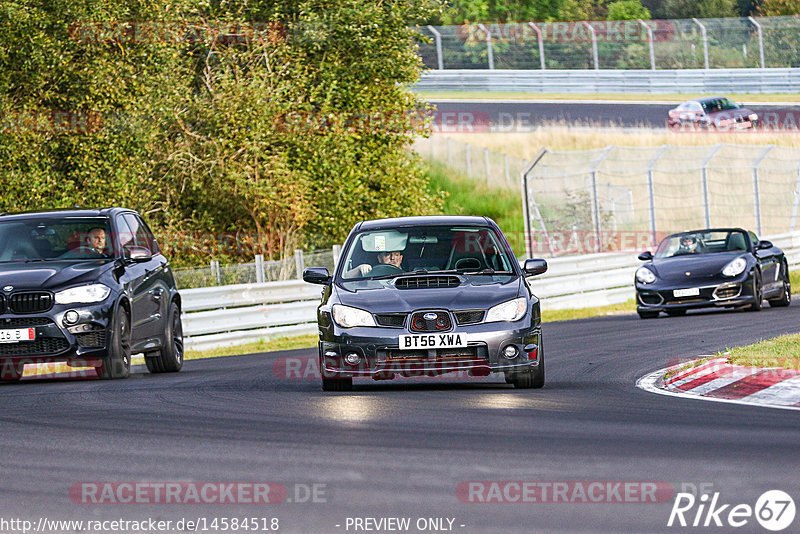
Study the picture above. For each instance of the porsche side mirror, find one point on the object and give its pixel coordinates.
(317, 275)
(534, 267)
(761, 245)
(646, 256)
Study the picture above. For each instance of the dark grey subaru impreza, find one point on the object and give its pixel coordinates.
(425, 296)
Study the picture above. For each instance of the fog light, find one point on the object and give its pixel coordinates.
(352, 358)
(71, 317)
(510, 352)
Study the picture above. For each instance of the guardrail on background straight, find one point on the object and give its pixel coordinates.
(246, 313)
(725, 81)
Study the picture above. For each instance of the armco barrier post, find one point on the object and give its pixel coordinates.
(438, 38)
(650, 43)
(259, 268)
(760, 41)
(489, 50)
(215, 274)
(299, 263)
(756, 193)
(705, 41)
(541, 43)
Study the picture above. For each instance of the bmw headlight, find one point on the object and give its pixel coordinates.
(645, 275)
(511, 310)
(348, 317)
(735, 267)
(83, 294)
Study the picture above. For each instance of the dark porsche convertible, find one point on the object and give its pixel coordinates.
(424, 296)
(725, 267)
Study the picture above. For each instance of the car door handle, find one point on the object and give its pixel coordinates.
(155, 294)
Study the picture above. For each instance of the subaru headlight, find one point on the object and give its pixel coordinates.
(83, 294)
(511, 310)
(645, 275)
(735, 267)
(348, 317)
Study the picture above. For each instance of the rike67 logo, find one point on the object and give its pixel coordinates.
(774, 510)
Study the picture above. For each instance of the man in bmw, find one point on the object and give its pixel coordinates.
(85, 287)
(456, 300)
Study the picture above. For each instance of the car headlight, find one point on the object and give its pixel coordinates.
(753, 116)
(511, 310)
(645, 275)
(83, 294)
(348, 317)
(735, 267)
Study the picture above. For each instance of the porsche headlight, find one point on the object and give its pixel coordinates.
(348, 317)
(645, 275)
(735, 267)
(511, 310)
(83, 294)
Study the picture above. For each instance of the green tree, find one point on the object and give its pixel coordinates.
(682, 9)
(773, 8)
(194, 125)
(627, 10)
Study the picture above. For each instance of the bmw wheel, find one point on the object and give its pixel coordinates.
(118, 362)
(169, 358)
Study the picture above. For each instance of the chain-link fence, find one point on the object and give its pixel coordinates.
(493, 168)
(258, 271)
(629, 44)
(623, 197)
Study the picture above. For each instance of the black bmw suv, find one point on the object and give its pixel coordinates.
(86, 287)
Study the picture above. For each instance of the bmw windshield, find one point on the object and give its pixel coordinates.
(44, 239)
(380, 255)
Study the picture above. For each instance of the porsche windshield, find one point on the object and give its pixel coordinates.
(40, 239)
(377, 254)
(702, 243)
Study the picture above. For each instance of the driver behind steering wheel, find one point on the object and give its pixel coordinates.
(394, 258)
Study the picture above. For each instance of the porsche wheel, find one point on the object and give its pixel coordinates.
(758, 293)
(786, 296)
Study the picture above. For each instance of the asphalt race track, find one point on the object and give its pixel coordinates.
(400, 449)
(520, 115)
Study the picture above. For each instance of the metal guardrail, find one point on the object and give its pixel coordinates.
(725, 81)
(246, 313)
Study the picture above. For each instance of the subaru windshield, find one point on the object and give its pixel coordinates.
(387, 253)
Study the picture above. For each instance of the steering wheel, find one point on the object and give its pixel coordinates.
(383, 269)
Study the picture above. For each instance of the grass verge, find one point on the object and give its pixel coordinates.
(783, 351)
(645, 97)
(561, 136)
